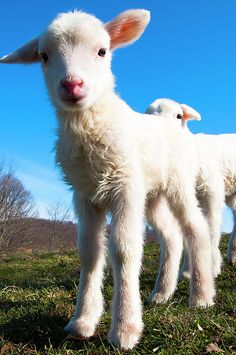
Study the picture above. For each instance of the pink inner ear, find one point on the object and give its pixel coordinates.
(122, 31)
(189, 113)
(186, 116)
(127, 27)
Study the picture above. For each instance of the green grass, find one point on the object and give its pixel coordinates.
(38, 294)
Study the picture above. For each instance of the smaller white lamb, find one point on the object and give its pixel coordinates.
(172, 109)
(170, 233)
(185, 113)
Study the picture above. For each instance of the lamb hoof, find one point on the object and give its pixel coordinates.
(79, 329)
(216, 269)
(184, 274)
(216, 272)
(232, 259)
(126, 337)
(157, 298)
(216, 263)
(202, 303)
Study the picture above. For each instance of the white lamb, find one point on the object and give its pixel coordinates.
(173, 110)
(117, 160)
(223, 169)
(185, 113)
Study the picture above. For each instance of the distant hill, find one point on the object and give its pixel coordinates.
(45, 235)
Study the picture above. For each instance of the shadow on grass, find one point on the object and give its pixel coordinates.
(47, 331)
(40, 330)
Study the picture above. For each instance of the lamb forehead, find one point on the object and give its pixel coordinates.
(78, 27)
(166, 106)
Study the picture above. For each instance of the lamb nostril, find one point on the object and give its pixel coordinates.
(71, 85)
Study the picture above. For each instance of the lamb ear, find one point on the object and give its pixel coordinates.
(127, 27)
(26, 54)
(189, 113)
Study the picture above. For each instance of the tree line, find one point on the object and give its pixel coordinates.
(20, 225)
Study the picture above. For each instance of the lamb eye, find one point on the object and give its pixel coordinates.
(44, 57)
(179, 116)
(102, 52)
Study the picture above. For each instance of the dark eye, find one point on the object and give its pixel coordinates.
(44, 57)
(102, 52)
(179, 116)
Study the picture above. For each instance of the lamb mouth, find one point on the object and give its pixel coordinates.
(72, 100)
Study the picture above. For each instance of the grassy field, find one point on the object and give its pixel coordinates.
(38, 294)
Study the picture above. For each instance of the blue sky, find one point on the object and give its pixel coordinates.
(188, 53)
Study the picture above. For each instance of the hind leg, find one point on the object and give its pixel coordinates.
(185, 268)
(171, 244)
(211, 203)
(213, 207)
(196, 232)
(231, 252)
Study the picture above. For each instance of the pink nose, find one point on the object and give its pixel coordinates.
(72, 87)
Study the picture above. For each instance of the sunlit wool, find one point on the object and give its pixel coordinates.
(115, 160)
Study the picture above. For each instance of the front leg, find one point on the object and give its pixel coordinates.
(91, 247)
(125, 249)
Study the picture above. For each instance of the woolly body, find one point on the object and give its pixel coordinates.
(118, 160)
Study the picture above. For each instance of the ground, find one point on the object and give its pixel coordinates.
(38, 294)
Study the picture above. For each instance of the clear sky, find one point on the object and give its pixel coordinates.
(187, 53)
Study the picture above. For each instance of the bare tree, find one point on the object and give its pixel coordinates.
(16, 205)
(58, 214)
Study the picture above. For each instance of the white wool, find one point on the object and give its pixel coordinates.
(118, 160)
(165, 107)
(216, 161)
(214, 152)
